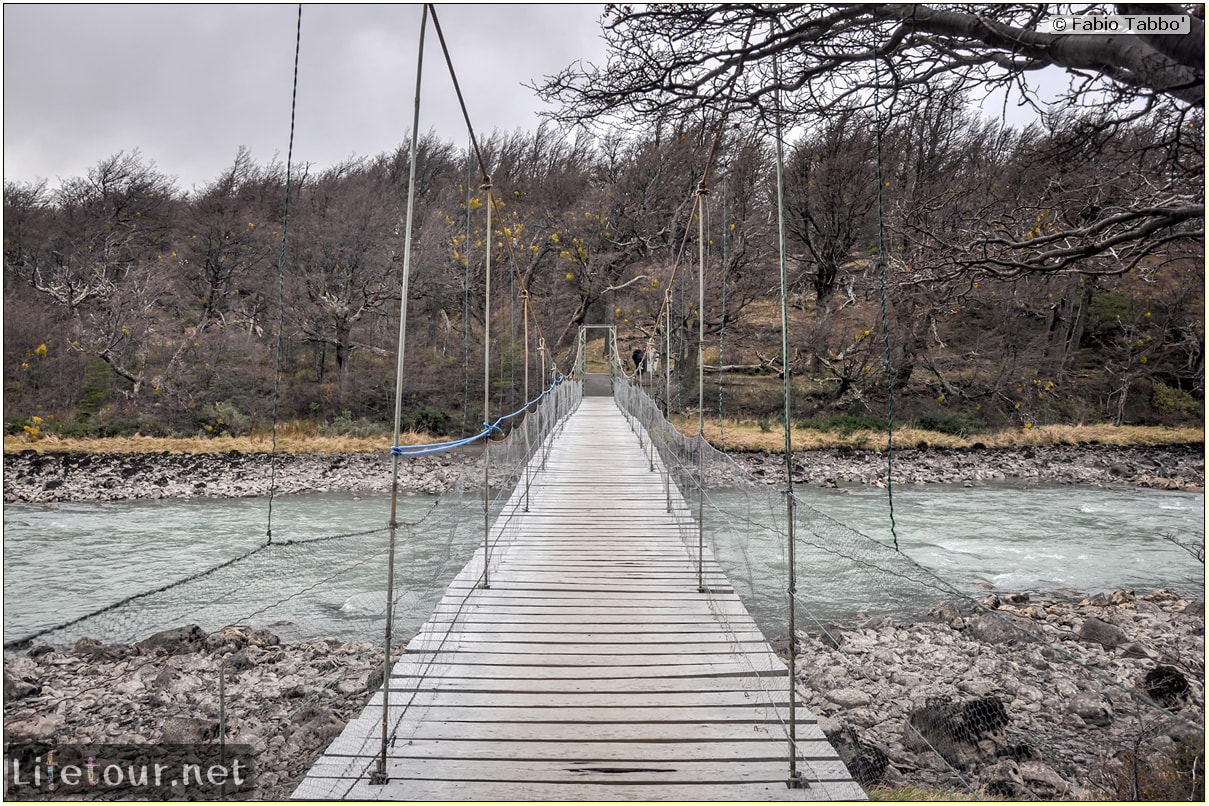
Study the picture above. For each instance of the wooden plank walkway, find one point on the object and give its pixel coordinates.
(592, 668)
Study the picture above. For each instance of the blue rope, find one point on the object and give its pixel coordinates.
(424, 450)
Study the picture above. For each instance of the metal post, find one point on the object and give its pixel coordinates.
(379, 776)
(795, 779)
(667, 387)
(702, 192)
(487, 399)
(222, 712)
(527, 420)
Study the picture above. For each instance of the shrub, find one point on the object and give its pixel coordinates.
(1174, 402)
(429, 419)
(129, 427)
(845, 424)
(953, 424)
(346, 425)
(223, 417)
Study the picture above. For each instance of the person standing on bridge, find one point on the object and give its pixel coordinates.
(639, 357)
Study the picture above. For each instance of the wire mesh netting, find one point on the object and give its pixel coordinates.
(270, 651)
(923, 687)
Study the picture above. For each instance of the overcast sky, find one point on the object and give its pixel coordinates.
(187, 85)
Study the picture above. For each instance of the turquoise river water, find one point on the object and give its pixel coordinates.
(62, 561)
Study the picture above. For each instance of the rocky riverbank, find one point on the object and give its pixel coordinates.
(1169, 467)
(35, 477)
(47, 477)
(284, 703)
(1024, 700)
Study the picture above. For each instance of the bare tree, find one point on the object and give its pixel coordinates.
(687, 57)
(101, 257)
(794, 62)
(830, 189)
(347, 226)
(232, 231)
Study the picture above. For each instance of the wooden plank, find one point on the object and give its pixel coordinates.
(594, 699)
(565, 733)
(756, 749)
(504, 671)
(579, 770)
(775, 686)
(505, 791)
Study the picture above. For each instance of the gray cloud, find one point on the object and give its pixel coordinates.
(187, 85)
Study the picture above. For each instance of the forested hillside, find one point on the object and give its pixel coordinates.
(131, 306)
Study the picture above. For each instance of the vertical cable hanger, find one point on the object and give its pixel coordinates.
(285, 230)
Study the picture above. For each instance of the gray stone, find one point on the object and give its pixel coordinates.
(1094, 630)
(849, 697)
(16, 687)
(177, 639)
(188, 730)
(945, 611)
(866, 762)
(953, 729)
(32, 728)
(997, 628)
(1001, 781)
(1043, 780)
(1094, 709)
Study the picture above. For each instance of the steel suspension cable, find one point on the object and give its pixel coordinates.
(466, 302)
(702, 190)
(722, 329)
(492, 202)
(881, 263)
(285, 230)
(380, 776)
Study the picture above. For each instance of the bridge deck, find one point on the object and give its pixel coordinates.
(592, 668)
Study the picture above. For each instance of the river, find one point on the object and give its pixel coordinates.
(62, 561)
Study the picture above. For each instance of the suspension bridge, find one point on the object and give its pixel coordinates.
(588, 651)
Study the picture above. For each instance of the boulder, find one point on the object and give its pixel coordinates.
(16, 686)
(1002, 781)
(849, 697)
(188, 730)
(997, 628)
(177, 639)
(1094, 630)
(93, 650)
(953, 729)
(1093, 709)
(1043, 781)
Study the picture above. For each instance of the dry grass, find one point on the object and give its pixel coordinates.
(733, 435)
(738, 435)
(294, 438)
(915, 794)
